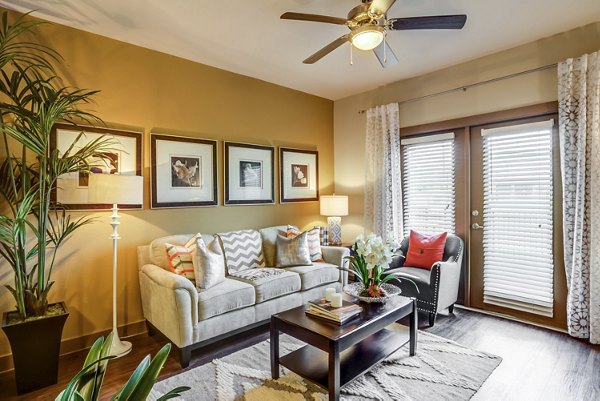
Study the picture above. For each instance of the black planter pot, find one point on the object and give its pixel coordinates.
(35, 349)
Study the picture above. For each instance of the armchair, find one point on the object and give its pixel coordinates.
(438, 287)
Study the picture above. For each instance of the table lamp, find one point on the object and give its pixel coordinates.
(116, 190)
(334, 206)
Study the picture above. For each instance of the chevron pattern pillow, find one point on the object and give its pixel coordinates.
(180, 257)
(243, 250)
(314, 241)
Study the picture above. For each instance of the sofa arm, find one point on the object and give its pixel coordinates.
(336, 255)
(170, 303)
(449, 279)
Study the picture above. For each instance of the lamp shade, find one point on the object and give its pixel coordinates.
(113, 188)
(334, 205)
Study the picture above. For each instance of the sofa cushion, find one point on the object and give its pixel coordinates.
(242, 249)
(158, 254)
(293, 251)
(269, 242)
(224, 297)
(318, 274)
(269, 282)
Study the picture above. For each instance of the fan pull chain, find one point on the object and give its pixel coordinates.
(384, 47)
(351, 60)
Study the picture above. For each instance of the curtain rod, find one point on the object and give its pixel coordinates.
(465, 87)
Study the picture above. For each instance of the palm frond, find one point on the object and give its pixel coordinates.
(14, 50)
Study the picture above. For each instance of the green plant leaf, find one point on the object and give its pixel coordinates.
(146, 382)
(89, 385)
(68, 393)
(134, 380)
(176, 392)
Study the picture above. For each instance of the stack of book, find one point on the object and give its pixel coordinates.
(321, 308)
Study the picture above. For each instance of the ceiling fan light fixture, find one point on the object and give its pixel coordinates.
(367, 37)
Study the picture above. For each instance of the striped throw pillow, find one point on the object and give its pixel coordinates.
(180, 258)
(314, 241)
(243, 250)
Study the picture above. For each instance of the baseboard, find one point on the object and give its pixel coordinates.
(514, 319)
(76, 344)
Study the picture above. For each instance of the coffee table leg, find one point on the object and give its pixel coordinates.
(274, 350)
(334, 371)
(414, 325)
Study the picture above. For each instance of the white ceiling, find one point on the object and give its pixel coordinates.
(247, 37)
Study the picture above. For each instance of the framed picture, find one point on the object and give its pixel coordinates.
(298, 175)
(126, 159)
(249, 174)
(184, 171)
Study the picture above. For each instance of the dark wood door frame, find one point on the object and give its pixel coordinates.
(463, 127)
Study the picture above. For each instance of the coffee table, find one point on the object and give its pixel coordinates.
(336, 355)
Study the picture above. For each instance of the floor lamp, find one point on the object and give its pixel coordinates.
(116, 190)
(334, 206)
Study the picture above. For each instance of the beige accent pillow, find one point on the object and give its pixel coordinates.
(209, 263)
(314, 241)
(293, 251)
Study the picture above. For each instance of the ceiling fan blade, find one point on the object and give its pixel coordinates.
(314, 18)
(387, 58)
(381, 6)
(429, 22)
(326, 50)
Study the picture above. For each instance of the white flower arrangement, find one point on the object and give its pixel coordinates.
(371, 256)
(375, 251)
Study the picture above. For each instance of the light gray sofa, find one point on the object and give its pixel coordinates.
(192, 318)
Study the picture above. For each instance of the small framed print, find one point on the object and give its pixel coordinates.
(126, 158)
(249, 174)
(298, 175)
(184, 171)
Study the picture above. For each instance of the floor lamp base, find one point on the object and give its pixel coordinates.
(119, 348)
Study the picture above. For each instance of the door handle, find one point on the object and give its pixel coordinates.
(476, 226)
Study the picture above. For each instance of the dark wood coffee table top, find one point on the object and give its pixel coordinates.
(331, 331)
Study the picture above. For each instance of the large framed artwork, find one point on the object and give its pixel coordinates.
(249, 174)
(184, 171)
(298, 175)
(126, 159)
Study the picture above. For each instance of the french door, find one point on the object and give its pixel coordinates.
(514, 203)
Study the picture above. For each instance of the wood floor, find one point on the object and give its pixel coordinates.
(538, 364)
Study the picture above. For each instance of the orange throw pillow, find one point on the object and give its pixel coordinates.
(425, 250)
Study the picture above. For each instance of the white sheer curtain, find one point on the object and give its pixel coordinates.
(579, 128)
(383, 183)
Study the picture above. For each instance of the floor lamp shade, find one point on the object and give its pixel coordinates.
(113, 188)
(116, 190)
(334, 206)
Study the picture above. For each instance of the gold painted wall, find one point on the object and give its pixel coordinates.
(535, 88)
(154, 92)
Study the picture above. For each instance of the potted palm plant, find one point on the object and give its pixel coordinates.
(32, 225)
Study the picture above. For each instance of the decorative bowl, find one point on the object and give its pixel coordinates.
(354, 289)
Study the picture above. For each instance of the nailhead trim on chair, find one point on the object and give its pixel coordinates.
(434, 304)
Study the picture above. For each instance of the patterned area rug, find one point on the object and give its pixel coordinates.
(441, 370)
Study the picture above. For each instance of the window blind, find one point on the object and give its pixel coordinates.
(517, 217)
(428, 183)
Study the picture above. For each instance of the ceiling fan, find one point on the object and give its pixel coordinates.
(369, 24)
